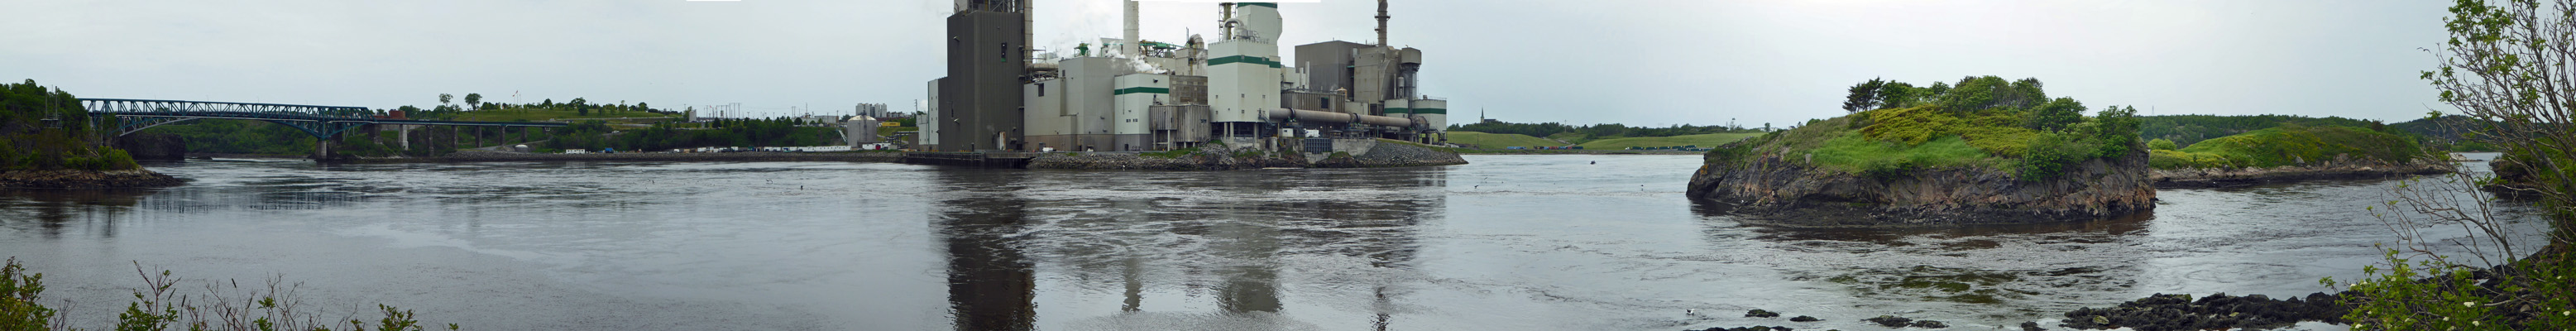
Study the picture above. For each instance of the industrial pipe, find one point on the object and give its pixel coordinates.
(1333, 117)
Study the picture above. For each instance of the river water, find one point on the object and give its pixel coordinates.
(1508, 242)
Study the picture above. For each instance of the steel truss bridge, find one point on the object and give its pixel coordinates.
(322, 122)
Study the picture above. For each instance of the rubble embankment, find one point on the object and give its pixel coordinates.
(1378, 154)
(134, 178)
(492, 156)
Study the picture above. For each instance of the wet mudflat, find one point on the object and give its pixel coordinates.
(1508, 242)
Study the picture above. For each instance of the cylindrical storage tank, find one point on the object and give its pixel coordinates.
(1399, 108)
(1260, 20)
(1434, 112)
(1410, 55)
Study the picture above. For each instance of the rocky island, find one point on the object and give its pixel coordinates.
(1982, 151)
(2291, 153)
(46, 142)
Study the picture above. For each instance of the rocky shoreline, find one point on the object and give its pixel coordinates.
(492, 156)
(1773, 189)
(2341, 168)
(1379, 155)
(86, 179)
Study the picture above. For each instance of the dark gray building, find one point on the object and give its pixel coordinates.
(980, 101)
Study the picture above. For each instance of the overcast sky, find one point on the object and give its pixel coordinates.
(1638, 62)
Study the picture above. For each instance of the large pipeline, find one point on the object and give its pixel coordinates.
(1333, 117)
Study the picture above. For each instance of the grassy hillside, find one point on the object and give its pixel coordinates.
(1498, 140)
(2289, 145)
(2185, 130)
(1701, 140)
(40, 129)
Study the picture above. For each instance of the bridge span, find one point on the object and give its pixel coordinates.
(322, 122)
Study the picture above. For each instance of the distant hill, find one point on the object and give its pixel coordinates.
(1701, 140)
(1482, 140)
(2449, 132)
(2184, 130)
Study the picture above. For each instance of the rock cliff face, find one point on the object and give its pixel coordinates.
(1772, 189)
(2342, 167)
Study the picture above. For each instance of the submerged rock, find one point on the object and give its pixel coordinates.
(1889, 321)
(1761, 313)
(1803, 318)
(1749, 328)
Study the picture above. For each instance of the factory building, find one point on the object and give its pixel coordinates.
(1133, 94)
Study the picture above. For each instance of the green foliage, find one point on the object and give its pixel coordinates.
(1498, 140)
(1712, 139)
(1175, 153)
(2291, 145)
(47, 129)
(1983, 121)
(2429, 295)
(1865, 96)
(2160, 144)
(19, 293)
(1855, 154)
(595, 135)
(2055, 115)
(2185, 130)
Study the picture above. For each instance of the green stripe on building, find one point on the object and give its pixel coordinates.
(1243, 59)
(1133, 90)
(1399, 110)
(1441, 111)
(1263, 4)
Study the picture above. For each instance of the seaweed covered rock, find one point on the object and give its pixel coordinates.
(2176, 312)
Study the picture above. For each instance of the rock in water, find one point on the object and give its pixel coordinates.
(1928, 324)
(1889, 321)
(1803, 318)
(1761, 313)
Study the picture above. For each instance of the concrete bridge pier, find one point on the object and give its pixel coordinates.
(322, 149)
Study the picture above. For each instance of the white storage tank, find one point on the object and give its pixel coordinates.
(1260, 21)
(1399, 108)
(1434, 113)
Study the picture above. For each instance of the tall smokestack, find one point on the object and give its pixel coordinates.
(1133, 44)
(1381, 22)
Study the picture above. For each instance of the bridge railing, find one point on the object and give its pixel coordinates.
(139, 106)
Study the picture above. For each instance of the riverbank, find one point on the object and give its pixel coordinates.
(2340, 168)
(1349, 154)
(492, 156)
(135, 178)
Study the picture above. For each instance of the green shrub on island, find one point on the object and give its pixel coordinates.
(47, 129)
(2291, 145)
(1980, 122)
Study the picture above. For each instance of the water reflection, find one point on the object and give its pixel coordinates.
(1178, 249)
(47, 212)
(991, 285)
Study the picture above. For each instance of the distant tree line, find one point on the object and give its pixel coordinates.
(779, 131)
(47, 129)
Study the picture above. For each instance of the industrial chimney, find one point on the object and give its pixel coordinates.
(1133, 44)
(1381, 22)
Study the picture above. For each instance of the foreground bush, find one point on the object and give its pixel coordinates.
(225, 306)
